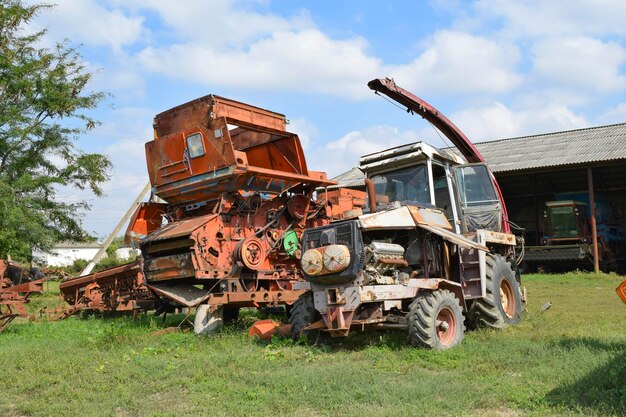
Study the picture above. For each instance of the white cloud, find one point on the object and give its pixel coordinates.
(309, 61)
(86, 21)
(616, 114)
(461, 63)
(497, 121)
(119, 77)
(130, 128)
(536, 18)
(305, 61)
(219, 22)
(305, 130)
(580, 62)
(342, 154)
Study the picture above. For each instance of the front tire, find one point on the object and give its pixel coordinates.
(502, 304)
(435, 320)
(302, 314)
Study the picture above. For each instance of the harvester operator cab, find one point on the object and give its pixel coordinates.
(565, 221)
(423, 176)
(408, 185)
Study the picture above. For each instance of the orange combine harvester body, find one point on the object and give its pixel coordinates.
(234, 197)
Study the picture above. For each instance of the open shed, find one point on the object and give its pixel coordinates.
(578, 165)
(534, 170)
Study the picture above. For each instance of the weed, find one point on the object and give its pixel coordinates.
(568, 360)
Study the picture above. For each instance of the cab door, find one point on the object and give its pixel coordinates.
(479, 205)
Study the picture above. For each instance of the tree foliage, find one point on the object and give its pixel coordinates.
(43, 96)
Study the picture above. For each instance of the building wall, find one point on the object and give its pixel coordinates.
(60, 257)
(64, 256)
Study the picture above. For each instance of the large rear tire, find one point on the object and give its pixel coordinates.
(435, 320)
(302, 314)
(502, 304)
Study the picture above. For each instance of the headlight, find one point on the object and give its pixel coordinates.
(325, 260)
(312, 262)
(336, 258)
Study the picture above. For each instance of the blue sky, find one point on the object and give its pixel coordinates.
(496, 68)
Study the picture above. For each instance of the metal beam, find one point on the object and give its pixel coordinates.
(592, 209)
(122, 222)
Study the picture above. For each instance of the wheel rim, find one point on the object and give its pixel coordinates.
(507, 298)
(446, 326)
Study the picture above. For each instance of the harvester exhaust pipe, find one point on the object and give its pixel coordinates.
(371, 194)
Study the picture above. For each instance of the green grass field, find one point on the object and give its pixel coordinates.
(570, 360)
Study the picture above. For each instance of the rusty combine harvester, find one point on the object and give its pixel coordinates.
(16, 286)
(435, 251)
(237, 197)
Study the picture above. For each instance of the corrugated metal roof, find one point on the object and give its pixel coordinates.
(581, 146)
(571, 147)
(351, 179)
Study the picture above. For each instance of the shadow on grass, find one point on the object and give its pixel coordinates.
(356, 341)
(142, 320)
(602, 391)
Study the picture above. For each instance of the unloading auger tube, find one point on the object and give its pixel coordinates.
(414, 104)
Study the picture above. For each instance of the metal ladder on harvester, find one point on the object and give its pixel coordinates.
(608, 253)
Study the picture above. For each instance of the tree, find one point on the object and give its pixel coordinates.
(43, 96)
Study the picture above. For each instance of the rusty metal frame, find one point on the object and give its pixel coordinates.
(119, 288)
(13, 299)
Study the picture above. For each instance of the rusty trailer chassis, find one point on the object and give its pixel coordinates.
(117, 289)
(15, 292)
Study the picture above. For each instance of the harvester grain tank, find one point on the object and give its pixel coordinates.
(435, 251)
(235, 195)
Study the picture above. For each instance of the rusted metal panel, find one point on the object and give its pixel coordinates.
(184, 294)
(210, 107)
(146, 219)
(399, 218)
(452, 237)
(341, 201)
(430, 217)
(169, 267)
(178, 229)
(258, 298)
(338, 320)
(498, 237)
(131, 268)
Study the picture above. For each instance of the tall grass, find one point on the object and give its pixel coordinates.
(569, 360)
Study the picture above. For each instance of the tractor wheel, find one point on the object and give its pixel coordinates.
(502, 304)
(206, 322)
(435, 320)
(302, 314)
